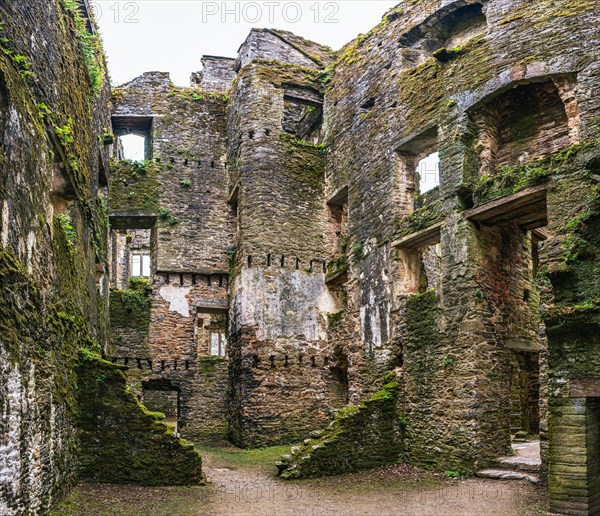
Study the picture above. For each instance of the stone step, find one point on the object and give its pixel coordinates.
(528, 464)
(504, 474)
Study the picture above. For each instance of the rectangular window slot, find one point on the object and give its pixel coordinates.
(418, 167)
(133, 137)
(140, 265)
(218, 343)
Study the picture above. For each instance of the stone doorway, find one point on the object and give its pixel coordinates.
(162, 396)
(525, 396)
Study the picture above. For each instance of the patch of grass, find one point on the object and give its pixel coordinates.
(230, 456)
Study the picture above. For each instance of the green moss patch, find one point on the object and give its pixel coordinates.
(134, 186)
(419, 219)
(359, 438)
(304, 160)
(574, 340)
(513, 179)
(209, 364)
(279, 73)
(130, 309)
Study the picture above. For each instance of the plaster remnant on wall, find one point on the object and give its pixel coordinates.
(283, 305)
(177, 298)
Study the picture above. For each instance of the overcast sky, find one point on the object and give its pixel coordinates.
(172, 35)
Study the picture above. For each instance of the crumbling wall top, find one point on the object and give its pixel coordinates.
(217, 74)
(283, 46)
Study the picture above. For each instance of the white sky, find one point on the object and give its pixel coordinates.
(172, 35)
(429, 172)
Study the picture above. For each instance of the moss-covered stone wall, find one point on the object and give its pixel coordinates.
(121, 441)
(362, 437)
(54, 118)
(455, 345)
(283, 371)
(183, 184)
(53, 108)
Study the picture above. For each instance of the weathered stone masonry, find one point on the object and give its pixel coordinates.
(273, 260)
(341, 270)
(57, 397)
(487, 85)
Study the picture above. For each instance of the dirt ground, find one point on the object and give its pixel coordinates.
(243, 483)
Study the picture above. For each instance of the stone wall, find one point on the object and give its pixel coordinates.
(54, 130)
(455, 345)
(121, 441)
(376, 424)
(179, 194)
(53, 109)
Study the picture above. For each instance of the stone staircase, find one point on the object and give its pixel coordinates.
(523, 465)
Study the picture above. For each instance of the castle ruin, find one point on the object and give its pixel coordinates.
(390, 250)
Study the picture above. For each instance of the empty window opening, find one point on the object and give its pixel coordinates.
(338, 376)
(163, 396)
(303, 116)
(336, 269)
(218, 343)
(447, 28)
(418, 165)
(133, 138)
(140, 265)
(131, 256)
(523, 124)
(133, 147)
(420, 265)
(525, 395)
(428, 172)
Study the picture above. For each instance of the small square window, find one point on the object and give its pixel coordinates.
(218, 343)
(140, 265)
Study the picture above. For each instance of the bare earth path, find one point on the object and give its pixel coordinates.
(242, 483)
